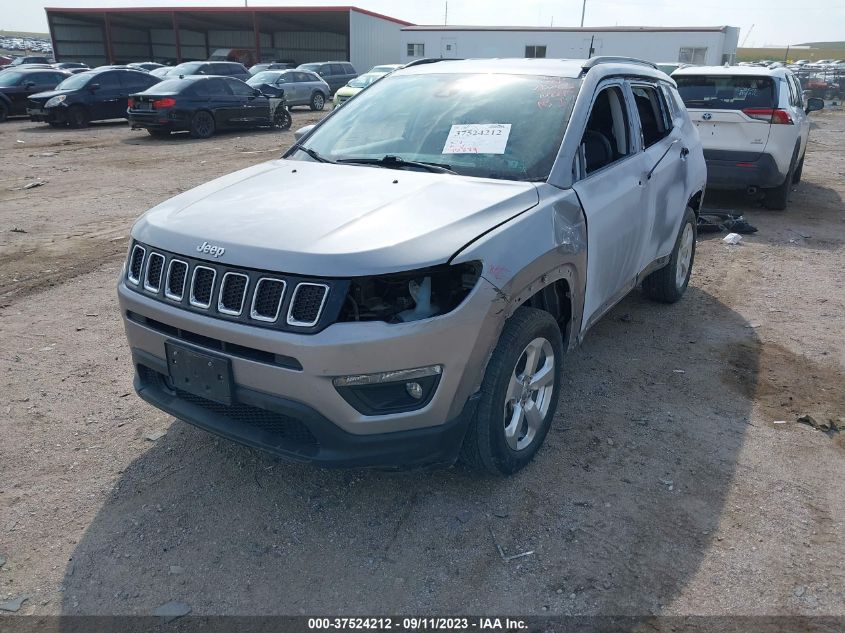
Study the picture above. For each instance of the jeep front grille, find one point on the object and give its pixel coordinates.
(155, 267)
(259, 298)
(177, 272)
(136, 264)
(307, 303)
(267, 299)
(202, 286)
(232, 293)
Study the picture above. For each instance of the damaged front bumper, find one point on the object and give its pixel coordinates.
(296, 410)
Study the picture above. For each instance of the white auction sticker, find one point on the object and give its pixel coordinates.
(478, 138)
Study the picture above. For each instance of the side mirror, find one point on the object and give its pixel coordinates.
(28, 84)
(303, 131)
(93, 87)
(813, 104)
(256, 92)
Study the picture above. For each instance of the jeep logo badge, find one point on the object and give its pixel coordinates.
(210, 249)
(706, 116)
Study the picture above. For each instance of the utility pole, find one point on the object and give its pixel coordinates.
(583, 9)
(446, 14)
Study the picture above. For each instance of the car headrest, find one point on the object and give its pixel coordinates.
(597, 150)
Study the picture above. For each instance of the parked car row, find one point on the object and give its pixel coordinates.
(199, 104)
(28, 44)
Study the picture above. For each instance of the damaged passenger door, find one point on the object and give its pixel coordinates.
(610, 172)
(664, 183)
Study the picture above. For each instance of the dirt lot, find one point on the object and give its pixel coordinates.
(665, 487)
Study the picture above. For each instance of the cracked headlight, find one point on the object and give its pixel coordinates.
(410, 296)
(52, 103)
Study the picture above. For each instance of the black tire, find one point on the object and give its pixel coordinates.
(318, 101)
(159, 133)
(664, 285)
(202, 124)
(777, 198)
(77, 116)
(485, 446)
(282, 119)
(4, 112)
(796, 178)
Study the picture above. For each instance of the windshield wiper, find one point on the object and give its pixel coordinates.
(395, 162)
(315, 155)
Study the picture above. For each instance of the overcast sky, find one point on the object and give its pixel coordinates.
(775, 21)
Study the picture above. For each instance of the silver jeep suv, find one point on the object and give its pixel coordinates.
(400, 288)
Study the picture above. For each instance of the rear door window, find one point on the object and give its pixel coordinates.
(239, 88)
(726, 92)
(107, 81)
(337, 69)
(654, 118)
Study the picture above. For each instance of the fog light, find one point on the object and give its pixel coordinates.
(390, 391)
(414, 390)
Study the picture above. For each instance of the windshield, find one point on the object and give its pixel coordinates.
(264, 77)
(188, 68)
(10, 78)
(491, 126)
(364, 80)
(170, 86)
(75, 82)
(726, 92)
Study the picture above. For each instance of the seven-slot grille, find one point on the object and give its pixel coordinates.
(218, 290)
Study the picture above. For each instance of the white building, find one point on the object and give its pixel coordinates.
(695, 45)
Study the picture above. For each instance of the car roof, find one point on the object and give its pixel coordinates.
(569, 68)
(41, 70)
(756, 71)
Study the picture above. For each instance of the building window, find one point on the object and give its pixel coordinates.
(691, 55)
(416, 50)
(534, 51)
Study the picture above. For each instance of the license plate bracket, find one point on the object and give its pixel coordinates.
(199, 373)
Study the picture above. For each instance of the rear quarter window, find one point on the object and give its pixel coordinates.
(726, 92)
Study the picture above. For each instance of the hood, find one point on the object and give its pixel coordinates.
(46, 96)
(333, 220)
(348, 91)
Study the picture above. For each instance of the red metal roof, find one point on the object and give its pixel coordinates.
(226, 10)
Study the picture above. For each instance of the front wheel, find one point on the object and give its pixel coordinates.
(77, 116)
(669, 283)
(282, 119)
(318, 101)
(518, 396)
(202, 125)
(4, 112)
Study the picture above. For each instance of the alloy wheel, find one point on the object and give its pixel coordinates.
(529, 394)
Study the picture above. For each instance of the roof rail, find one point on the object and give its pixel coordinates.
(428, 60)
(609, 59)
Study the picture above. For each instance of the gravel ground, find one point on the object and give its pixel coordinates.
(665, 487)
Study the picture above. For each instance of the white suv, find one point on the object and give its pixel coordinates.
(753, 125)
